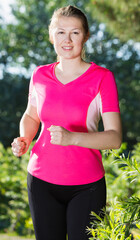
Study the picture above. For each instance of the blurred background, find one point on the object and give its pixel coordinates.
(24, 44)
(114, 43)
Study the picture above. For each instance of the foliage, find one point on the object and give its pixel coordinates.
(14, 209)
(121, 17)
(122, 213)
(113, 226)
(13, 99)
(123, 206)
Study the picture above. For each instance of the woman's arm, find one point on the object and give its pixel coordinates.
(110, 138)
(29, 125)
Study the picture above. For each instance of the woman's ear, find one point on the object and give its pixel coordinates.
(51, 38)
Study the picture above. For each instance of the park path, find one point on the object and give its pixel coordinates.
(6, 237)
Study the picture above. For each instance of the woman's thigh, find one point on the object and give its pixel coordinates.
(48, 214)
(80, 207)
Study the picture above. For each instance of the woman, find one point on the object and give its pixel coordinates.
(65, 172)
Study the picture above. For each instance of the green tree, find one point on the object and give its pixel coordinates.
(122, 17)
(13, 99)
(25, 44)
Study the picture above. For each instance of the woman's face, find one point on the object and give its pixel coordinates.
(68, 37)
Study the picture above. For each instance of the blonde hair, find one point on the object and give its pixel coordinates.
(69, 11)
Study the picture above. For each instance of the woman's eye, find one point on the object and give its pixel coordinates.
(60, 32)
(76, 32)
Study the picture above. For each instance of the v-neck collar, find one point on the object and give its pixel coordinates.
(73, 81)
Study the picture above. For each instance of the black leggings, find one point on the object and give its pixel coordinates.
(58, 210)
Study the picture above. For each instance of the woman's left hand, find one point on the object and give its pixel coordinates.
(60, 135)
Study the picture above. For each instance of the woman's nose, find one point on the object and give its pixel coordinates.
(68, 38)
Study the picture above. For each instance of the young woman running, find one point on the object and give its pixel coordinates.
(65, 171)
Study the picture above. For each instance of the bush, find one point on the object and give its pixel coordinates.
(14, 208)
(123, 198)
(123, 208)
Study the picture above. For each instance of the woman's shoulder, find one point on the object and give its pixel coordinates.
(99, 72)
(102, 69)
(45, 67)
(41, 71)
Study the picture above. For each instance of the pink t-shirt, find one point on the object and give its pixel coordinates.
(76, 106)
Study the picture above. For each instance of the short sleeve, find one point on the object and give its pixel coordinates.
(109, 93)
(32, 93)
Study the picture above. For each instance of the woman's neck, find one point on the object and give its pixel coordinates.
(69, 66)
(70, 69)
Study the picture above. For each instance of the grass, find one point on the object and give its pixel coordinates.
(8, 237)
(136, 235)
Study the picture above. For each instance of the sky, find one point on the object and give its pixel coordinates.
(5, 11)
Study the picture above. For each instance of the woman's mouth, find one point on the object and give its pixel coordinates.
(67, 48)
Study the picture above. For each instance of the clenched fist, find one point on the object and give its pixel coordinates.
(20, 146)
(60, 135)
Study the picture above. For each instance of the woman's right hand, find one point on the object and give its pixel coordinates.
(20, 146)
